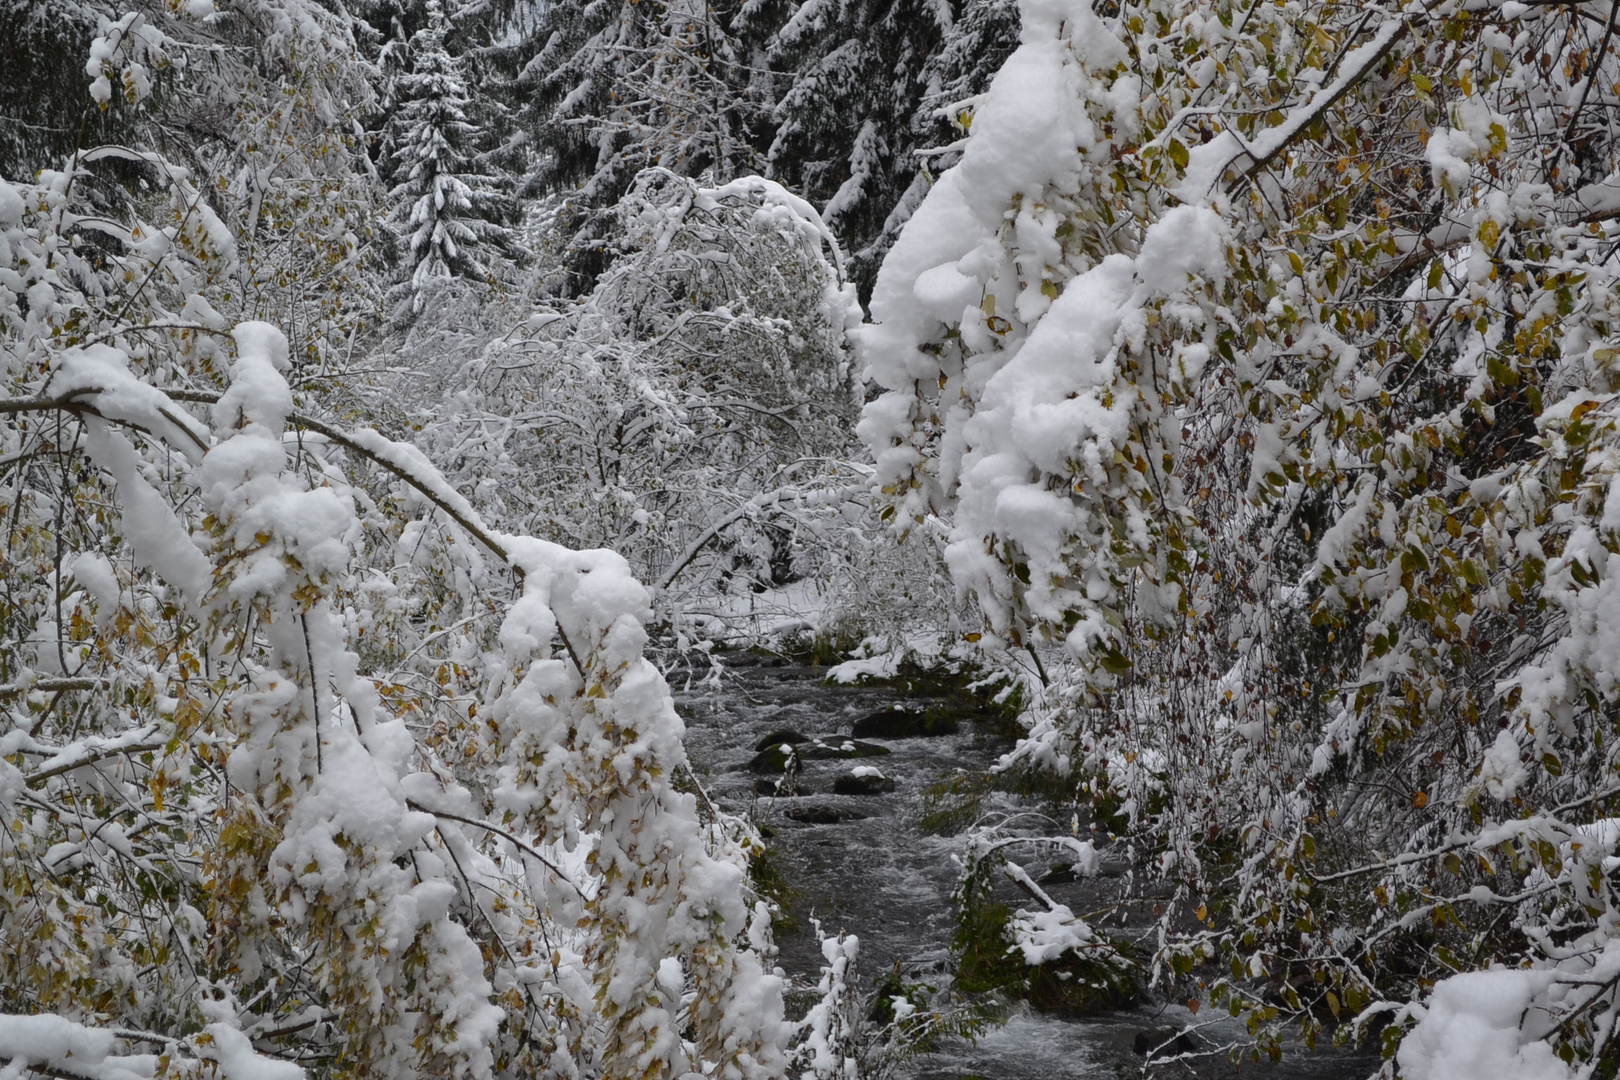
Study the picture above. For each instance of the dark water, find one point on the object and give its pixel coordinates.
(880, 877)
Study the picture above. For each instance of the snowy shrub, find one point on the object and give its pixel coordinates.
(273, 798)
(1260, 360)
(692, 412)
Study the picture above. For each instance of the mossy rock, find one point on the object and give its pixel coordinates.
(900, 722)
(774, 761)
(781, 737)
(986, 962)
(771, 884)
(839, 750)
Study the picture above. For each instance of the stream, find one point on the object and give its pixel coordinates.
(860, 863)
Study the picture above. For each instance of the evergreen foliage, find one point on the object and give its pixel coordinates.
(450, 215)
(42, 99)
(614, 88)
(863, 83)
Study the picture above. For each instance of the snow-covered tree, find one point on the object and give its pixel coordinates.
(42, 103)
(693, 411)
(271, 799)
(1260, 358)
(862, 81)
(450, 214)
(617, 88)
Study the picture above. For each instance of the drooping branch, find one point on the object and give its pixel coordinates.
(460, 515)
(463, 514)
(51, 686)
(758, 502)
(503, 834)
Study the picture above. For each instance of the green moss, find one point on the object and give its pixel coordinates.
(892, 986)
(771, 885)
(953, 803)
(985, 962)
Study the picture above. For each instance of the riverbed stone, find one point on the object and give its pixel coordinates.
(837, 749)
(786, 757)
(1179, 1043)
(780, 758)
(901, 722)
(779, 737)
(871, 783)
(822, 815)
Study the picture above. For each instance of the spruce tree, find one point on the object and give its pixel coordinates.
(42, 101)
(451, 213)
(616, 88)
(865, 80)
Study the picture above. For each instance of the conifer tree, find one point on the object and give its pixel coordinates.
(451, 214)
(866, 81)
(42, 102)
(617, 88)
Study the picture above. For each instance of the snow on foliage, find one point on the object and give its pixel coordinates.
(692, 412)
(828, 1050)
(1259, 361)
(272, 797)
(1484, 1023)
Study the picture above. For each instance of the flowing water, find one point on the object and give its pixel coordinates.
(860, 863)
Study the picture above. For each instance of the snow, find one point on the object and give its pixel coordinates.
(880, 658)
(1032, 417)
(233, 1053)
(121, 395)
(1474, 1025)
(1502, 770)
(46, 1039)
(51, 1039)
(882, 666)
(258, 393)
(826, 1046)
(156, 537)
(1044, 936)
(11, 209)
(1062, 318)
